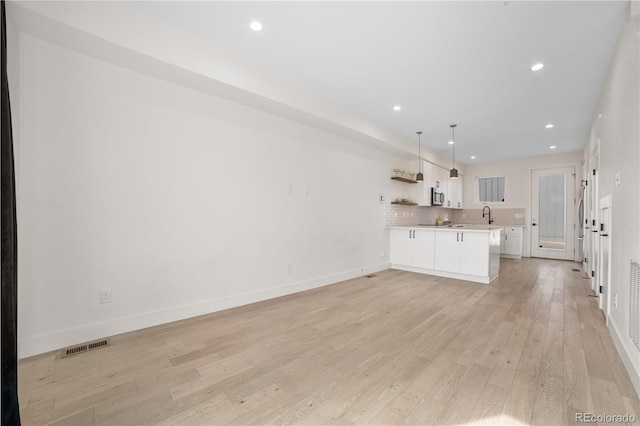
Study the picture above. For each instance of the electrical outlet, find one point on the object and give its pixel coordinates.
(306, 192)
(289, 268)
(381, 254)
(615, 301)
(105, 295)
(382, 198)
(617, 177)
(290, 190)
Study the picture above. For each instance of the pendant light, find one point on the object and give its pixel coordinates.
(419, 176)
(453, 173)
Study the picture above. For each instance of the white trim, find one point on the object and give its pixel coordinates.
(474, 278)
(634, 375)
(53, 341)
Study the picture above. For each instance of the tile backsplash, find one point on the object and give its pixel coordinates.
(499, 216)
(398, 215)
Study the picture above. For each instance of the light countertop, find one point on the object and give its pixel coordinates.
(465, 228)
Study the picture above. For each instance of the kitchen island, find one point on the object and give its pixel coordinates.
(469, 253)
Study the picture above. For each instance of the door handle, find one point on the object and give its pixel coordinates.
(604, 235)
(457, 236)
(462, 237)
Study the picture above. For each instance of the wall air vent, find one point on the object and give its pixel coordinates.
(85, 347)
(634, 311)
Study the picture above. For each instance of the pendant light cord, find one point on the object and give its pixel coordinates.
(453, 139)
(419, 154)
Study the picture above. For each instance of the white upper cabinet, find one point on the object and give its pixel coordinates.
(455, 191)
(438, 177)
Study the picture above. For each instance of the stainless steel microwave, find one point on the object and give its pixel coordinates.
(437, 197)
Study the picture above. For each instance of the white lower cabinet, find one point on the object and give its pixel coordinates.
(412, 247)
(462, 252)
(512, 242)
(465, 255)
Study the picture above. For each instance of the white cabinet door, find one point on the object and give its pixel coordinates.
(424, 249)
(401, 247)
(430, 174)
(447, 257)
(443, 182)
(474, 253)
(423, 197)
(456, 192)
(513, 241)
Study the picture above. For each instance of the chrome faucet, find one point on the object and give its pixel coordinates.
(488, 208)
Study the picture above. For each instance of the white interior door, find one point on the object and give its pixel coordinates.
(552, 204)
(604, 254)
(592, 228)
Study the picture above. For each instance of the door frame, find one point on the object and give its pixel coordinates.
(570, 205)
(594, 210)
(604, 298)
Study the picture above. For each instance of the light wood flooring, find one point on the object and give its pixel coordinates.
(397, 348)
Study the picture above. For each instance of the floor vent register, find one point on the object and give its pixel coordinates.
(85, 347)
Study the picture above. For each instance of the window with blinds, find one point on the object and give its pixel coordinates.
(491, 189)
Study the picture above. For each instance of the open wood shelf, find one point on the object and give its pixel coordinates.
(404, 204)
(401, 179)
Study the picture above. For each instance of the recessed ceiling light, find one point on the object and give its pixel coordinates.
(450, 142)
(256, 26)
(397, 108)
(537, 67)
(473, 157)
(548, 126)
(552, 147)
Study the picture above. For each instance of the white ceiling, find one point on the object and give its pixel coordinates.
(443, 62)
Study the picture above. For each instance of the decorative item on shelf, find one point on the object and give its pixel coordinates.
(403, 176)
(453, 173)
(404, 202)
(420, 176)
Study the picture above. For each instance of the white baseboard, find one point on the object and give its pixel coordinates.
(72, 336)
(630, 366)
(474, 278)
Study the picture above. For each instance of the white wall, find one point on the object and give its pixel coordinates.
(176, 200)
(618, 131)
(518, 183)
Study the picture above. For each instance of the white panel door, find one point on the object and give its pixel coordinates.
(401, 247)
(474, 253)
(552, 204)
(604, 254)
(424, 249)
(447, 251)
